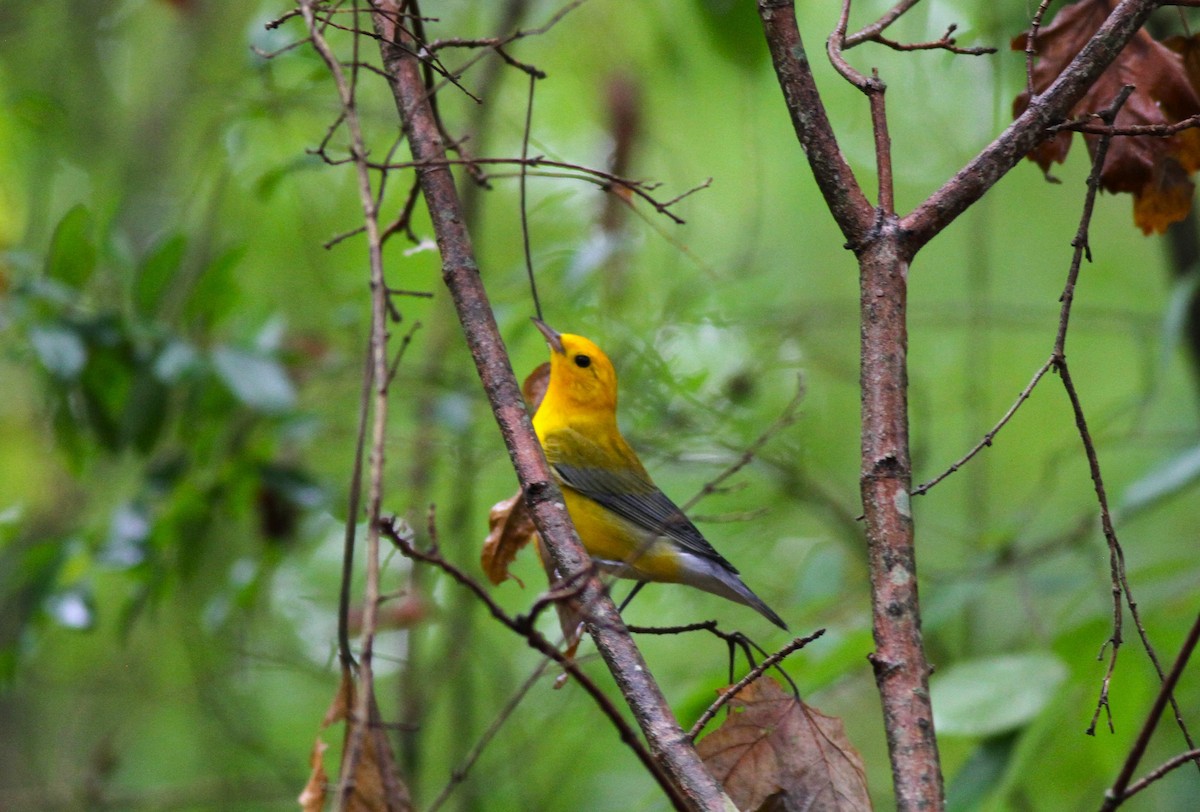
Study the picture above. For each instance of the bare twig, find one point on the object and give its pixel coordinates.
(459, 774)
(364, 700)
(1143, 130)
(672, 757)
(525, 628)
(524, 210)
(605, 180)
(945, 43)
(755, 673)
(986, 442)
(1118, 793)
(1161, 770)
(873, 30)
(785, 419)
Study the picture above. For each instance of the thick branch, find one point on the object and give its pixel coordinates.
(1049, 108)
(845, 199)
(666, 740)
(901, 668)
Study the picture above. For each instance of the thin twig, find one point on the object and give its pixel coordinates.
(874, 29)
(755, 673)
(1031, 44)
(524, 210)
(986, 442)
(379, 375)
(1117, 794)
(525, 628)
(459, 773)
(945, 43)
(1161, 770)
(1140, 130)
(785, 419)
(603, 179)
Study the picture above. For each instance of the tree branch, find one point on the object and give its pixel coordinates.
(849, 206)
(665, 739)
(1050, 108)
(1115, 796)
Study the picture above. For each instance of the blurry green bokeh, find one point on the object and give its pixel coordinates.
(182, 361)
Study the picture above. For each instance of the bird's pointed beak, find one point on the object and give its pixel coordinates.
(552, 336)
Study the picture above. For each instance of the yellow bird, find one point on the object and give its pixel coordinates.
(629, 526)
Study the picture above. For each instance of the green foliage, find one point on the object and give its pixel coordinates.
(182, 362)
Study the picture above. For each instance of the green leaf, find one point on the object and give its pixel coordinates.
(1168, 478)
(156, 272)
(992, 695)
(176, 360)
(256, 381)
(107, 381)
(976, 780)
(72, 255)
(145, 411)
(215, 291)
(60, 349)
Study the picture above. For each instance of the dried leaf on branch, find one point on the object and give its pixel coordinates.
(773, 752)
(510, 526)
(1154, 169)
(373, 774)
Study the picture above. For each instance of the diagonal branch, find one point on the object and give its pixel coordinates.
(1115, 796)
(666, 740)
(849, 206)
(1051, 107)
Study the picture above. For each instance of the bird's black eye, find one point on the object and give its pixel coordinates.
(582, 360)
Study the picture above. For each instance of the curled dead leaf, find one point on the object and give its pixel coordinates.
(312, 797)
(534, 387)
(774, 752)
(376, 785)
(510, 527)
(1154, 170)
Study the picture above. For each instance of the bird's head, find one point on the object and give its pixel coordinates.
(582, 378)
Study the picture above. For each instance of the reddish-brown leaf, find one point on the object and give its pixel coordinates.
(376, 787)
(1154, 170)
(510, 527)
(534, 388)
(776, 753)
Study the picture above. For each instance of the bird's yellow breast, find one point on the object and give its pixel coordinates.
(607, 536)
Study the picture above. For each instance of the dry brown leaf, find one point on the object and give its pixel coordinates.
(510, 527)
(534, 387)
(1154, 170)
(776, 753)
(312, 798)
(377, 787)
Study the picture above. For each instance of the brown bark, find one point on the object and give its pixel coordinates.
(695, 787)
(885, 245)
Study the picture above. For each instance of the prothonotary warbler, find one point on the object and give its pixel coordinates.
(629, 526)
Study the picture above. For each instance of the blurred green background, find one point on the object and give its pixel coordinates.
(182, 359)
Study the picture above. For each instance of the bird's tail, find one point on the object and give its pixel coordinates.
(709, 575)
